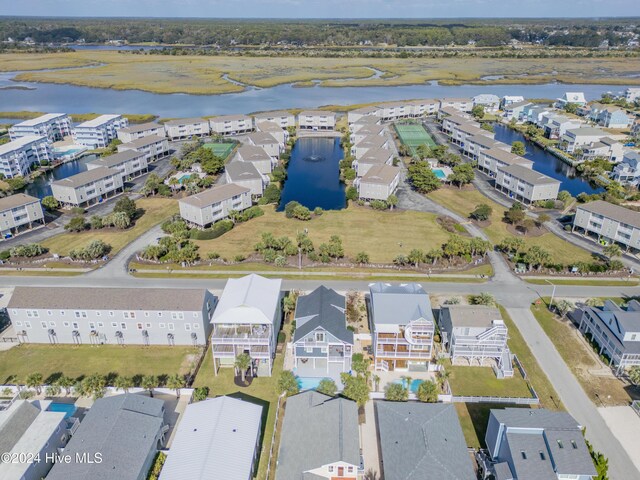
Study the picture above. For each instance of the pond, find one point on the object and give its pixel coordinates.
(313, 175)
(41, 186)
(545, 162)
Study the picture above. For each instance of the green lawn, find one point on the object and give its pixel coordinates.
(482, 381)
(548, 396)
(464, 201)
(262, 391)
(631, 282)
(580, 360)
(383, 235)
(77, 361)
(474, 418)
(156, 210)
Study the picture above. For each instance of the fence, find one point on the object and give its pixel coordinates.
(273, 436)
(508, 400)
(636, 406)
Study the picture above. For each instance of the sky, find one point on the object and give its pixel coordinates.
(323, 8)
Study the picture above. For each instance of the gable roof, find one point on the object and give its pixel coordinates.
(372, 141)
(117, 158)
(375, 156)
(505, 156)
(16, 200)
(422, 441)
(185, 121)
(21, 142)
(99, 121)
(124, 429)
(399, 304)
(239, 171)
(262, 138)
(612, 211)
(381, 174)
(216, 438)
(141, 127)
(249, 299)
(143, 141)
(47, 117)
(317, 430)
(252, 153)
(528, 175)
(324, 308)
(82, 178)
(214, 195)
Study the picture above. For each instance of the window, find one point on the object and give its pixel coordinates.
(159, 314)
(187, 326)
(542, 457)
(560, 445)
(114, 324)
(92, 325)
(44, 324)
(15, 312)
(129, 314)
(523, 454)
(319, 336)
(98, 314)
(100, 325)
(18, 324)
(123, 325)
(196, 326)
(65, 324)
(308, 349)
(161, 325)
(170, 326)
(111, 314)
(146, 314)
(350, 469)
(330, 468)
(62, 313)
(27, 324)
(75, 324)
(177, 316)
(147, 325)
(574, 445)
(195, 314)
(52, 324)
(49, 312)
(80, 314)
(139, 326)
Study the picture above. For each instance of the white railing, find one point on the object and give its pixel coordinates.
(240, 340)
(426, 354)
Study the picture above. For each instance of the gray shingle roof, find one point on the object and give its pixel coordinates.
(84, 178)
(323, 308)
(14, 422)
(252, 153)
(262, 138)
(143, 141)
(381, 174)
(215, 195)
(399, 304)
(468, 315)
(142, 127)
(185, 121)
(317, 430)
(506, 157)
(86, 298)
(239, 171)
(372, 141)
(375, 156)
(124, 429)
(422, 441)
(116, 158)
(16, 200)
(528, 175)
(615, 212)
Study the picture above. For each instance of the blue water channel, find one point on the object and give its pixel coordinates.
(41, 186)
(313, 175)
(545, 162)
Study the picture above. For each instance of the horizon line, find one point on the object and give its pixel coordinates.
(595, 18)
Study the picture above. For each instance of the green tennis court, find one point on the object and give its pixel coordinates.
(413, 136)
(221, 150)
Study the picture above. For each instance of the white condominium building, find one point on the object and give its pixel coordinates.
(17, 211)
(99, 132)
(17, 157)
(134, 132)
(186, 128)
(54, 126)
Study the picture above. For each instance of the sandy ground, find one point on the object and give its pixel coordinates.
(624, 423)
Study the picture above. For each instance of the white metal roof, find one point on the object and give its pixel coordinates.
(98, 121)
(216, 438)
(47, 117)
(250, 299)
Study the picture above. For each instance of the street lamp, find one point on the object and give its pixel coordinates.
(553, 294)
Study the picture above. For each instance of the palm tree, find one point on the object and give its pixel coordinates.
(376, 381)
(407, 381)
(66, 383)
(243, 362)
(149, 382)
(176, 382)
(174, 183)
(442, 377)
(612, 250)
(34, 381)
(123, 383)
(52, 390)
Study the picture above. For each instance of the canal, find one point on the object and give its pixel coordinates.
(313, 175)
(41, 186)
(545, 162)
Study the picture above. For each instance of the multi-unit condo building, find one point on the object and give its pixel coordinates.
(462, 104)
(475, 334)
(283, 118)
(515, 110)
(490, 160)
(365, 131)
(54, 126)
(228, 426)
(422, 441)
(424, 107)
(461, 133)
(182, 128)
(368, 143)
(490, 102)
(402, 327)
(632, 94)
(258, 156)
(372, 157)
(628, 170)
(578, 138)
(130, 163)
(121, 434)
(316, 120)
(363, 122)
(209, 206)
(358, 114)
(379, 182)
(100, 131)
(555, 126)
(476, 144)
(389, 112)
(88, 188)
(19, 212)
(528, 444)
(320, 439)
(274, 129)
(266, 141)
(525, 184)
(247, 320)
(246, 175)
(231, 125)
(576, 98)
(322, 344)
(141, 130)
(152, 146)
(614, 329)
(609, 223)
(452, 121)
(17, 157)
(606, 147)
(151, 316)
(30, 430)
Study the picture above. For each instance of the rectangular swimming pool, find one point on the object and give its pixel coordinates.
(414, 384)
(439, 173)
(68, 408)
(308, 383)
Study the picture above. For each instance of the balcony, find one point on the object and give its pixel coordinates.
(424, 354)
(241, 335)
(231, 351)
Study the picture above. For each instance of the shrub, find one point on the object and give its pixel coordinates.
(318, 211)
(290, 207)
(301, 213)
(482, 299)
(217, 230)
(77, 211)
(281, 337)
(428, 392)
(213, 255)
(482, 212)
(362, 258)
(76, 224)
(249, 213)
(271, 194)
(396, 392)
(5, 255)
(239, 258)
(379, 205)
(96, 222)
(200, 393)
(287, 383)
(352, 193)
(29, 250)
(50, 203)
(327, 386)
(93, 251)
(126, 205)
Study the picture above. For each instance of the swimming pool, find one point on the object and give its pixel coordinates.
(184, 178)
(414, 384)
(68, 408)
(308, 383)
(439, 173)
